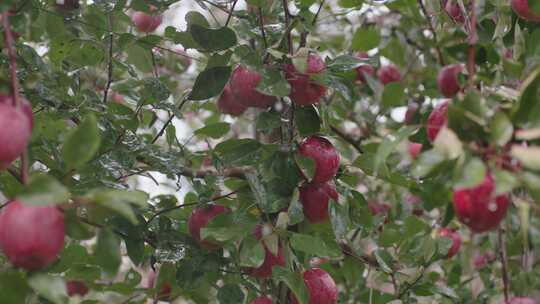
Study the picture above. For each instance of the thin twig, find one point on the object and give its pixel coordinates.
(318, 13)
(261, 24)
(432, 29)
(346, 137)
(231, 13)
(287, 22)
(109, 61)
(169, 121)
(504, 263)
(14, 173)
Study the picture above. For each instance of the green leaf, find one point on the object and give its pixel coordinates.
(82, 144)
(44, 190)
(14, 287)
(501, 129)
(312, 245)
(267, 121)
(210, 83)
(294, 281)
(239, 151)
(230, 294)
(251, 253)
(107, 252)
(472, 174)
(296, 211)
(384, 259)
(528, 156)
(211, 40)
(389, 144)
(273, 83)
(120, 201)
(52, 288)
(215, 130)
(307, 166)
(393, 95)
(339, 218)
(365, 39)
(307, 120)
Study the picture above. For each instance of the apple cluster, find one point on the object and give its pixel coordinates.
(386, 74)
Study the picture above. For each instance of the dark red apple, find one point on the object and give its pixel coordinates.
(146, 23)
(437, 120)
(456, 240)
(165, 290)
(26, 107)
(228, 104)
(411, 112)
(364, 69)
(315, 199)
(305, 91)
(414, 149)
(454, 11)
(243, 86)
(15, 132)
(200, 217)
(325, 156)
(270, 260)
(76, 288)
(67, 5)
(320, 286)
(479, 207)
(262, 300)
(448, 81)
(31, 237)
(389, 73)
(522, 9)
(521, 300)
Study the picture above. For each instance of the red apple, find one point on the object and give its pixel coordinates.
(456, 240)
(389, 73)
(410, 114)
(270, 260)
(146, 23)
(479, 207)
(244, 84)
(26, 107)
(315, 199)
(325, 156)
(165, 291)
(15, 131)
(437, 120)
(200, 217)
(31, 237)
(454, 11)
(364, 69)
(76, 288)
(521, 300)
(320, 286)
(305, 91)
(262, 300)
(522, 9)
(482, 260)
(377, 208)
(67, 5)
(448, 81)
(414, 149)
(228, 104)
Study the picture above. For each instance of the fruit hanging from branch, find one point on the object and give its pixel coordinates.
(388, 74)
(228, 104)
(15, 131)
(243, 84)
(304, 90)
(320, 286)
(363, 69)
(76, 288)
(325, 156)
(524, 10)
(270, 259)
(437, 120)
(448, 80)
(454, 237)
(199, 218)
(146, 23)
(315, 199)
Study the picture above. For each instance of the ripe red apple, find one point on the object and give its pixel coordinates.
(325, 156)
(521, 300)
(165, 291)
(200, 217)
(454, 11)
(15, 131)
(270, 260)
(146, 23)
(522, 9)
(315, 199)
(414, 149)
(410, 114)
(389, 73)
(31, 237)
(448, 81)
(262, 300)
(437, 120)
(456, 240)
(67, 5)
(26, 107)
(364, 69)
(321, 287)
(244, 84)
(305, 91)
(76, 288)
(228, 104)
(479, 207)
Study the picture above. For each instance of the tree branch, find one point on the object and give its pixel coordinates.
(109, 61)
(432, 29)
(318, 13)
(287, 22)
(504, 262)
(346, 137)
(261, 25)
(169, 121)
(231, 13)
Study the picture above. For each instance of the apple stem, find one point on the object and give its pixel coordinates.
(432, 29)
(12, 58)
(109, 60)
(231, 13)
(504, 262)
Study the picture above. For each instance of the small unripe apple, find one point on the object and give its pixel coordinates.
(454, 237)
(388, 74)
(437, 120)
(76, 288)
(414, 149)
(522, 9)
(146, 23)
(200, 217)
(228, 104)
(479, 207)
(364, 69)
(31, 237)
(262, 300)
(67, 5)
(165, 291)
(448, 81)
(244, 84)
(15, 131)
(305, 91)
(315, 199)
(270, 260)
(521, 300)
(454, 11)
(324, 155)
(320, 286)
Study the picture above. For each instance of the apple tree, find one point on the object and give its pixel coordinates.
(279, 151)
